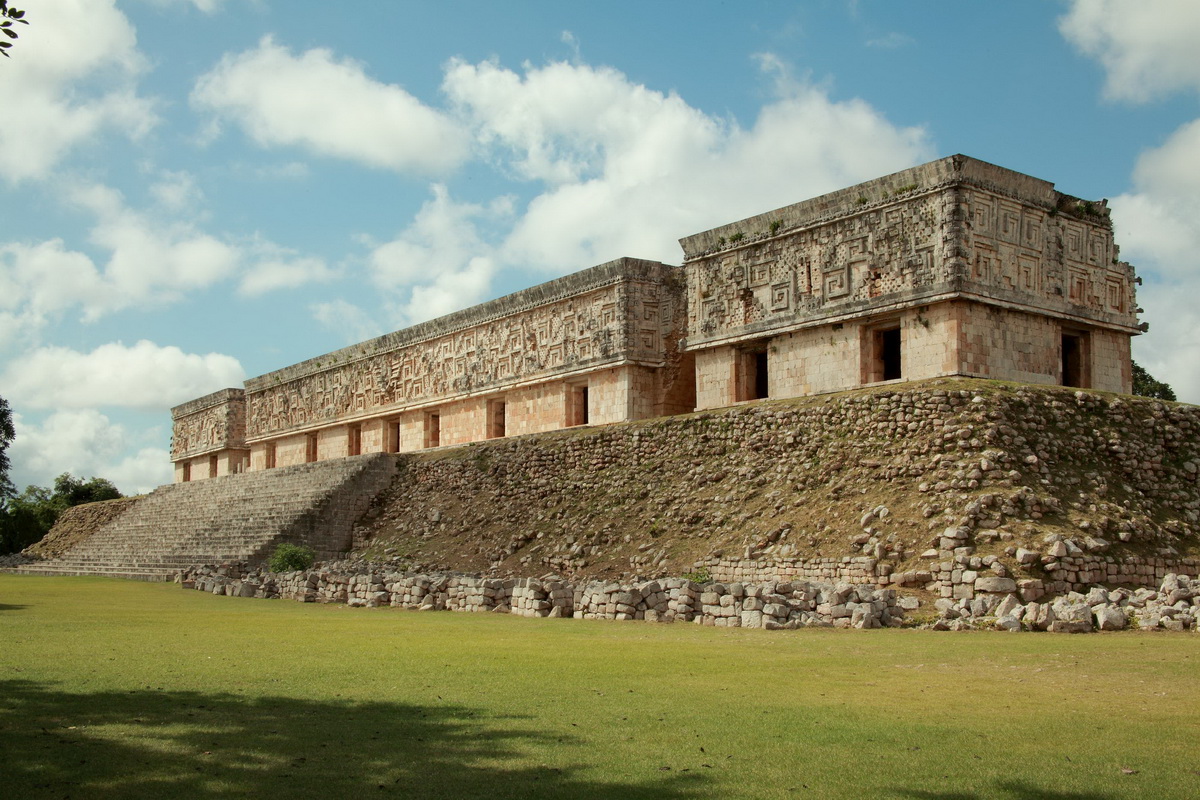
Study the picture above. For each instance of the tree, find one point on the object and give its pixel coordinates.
(7, 434)
(1145, 385)
(30, 515)
(9, 15)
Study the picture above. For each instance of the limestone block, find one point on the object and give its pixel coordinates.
(995, 585)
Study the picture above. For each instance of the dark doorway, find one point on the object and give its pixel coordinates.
(888, 344)
(1072, 360)
(761, 383)
(752, 377)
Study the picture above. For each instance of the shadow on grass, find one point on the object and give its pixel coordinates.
(1013, 789)
(154, 744)
(10, 607)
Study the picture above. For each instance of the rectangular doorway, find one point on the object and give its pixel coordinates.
(433, 429)
(577, 405)
(752, 378)
(495, 419)
(1075, 360)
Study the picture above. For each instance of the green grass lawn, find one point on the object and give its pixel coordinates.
(115, 689)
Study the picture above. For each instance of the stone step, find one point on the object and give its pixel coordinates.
(231, 518)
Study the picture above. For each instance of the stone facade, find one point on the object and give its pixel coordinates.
(209, 436)
(956, 267)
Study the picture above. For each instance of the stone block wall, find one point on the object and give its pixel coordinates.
(1018, 258)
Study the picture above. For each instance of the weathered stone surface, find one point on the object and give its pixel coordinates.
(1109, 618)
(995, 585)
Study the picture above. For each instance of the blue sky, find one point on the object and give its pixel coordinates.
(198, 191)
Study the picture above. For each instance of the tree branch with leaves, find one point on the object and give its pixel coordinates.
(9, 16)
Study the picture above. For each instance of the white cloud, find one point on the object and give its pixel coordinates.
(72, 74)
(278, 268)
(176, 191)
(151, 260)
(142, 376)
(440, 263)
(87, 444)
(141, 472)
(207, 6)
(628, 170)
(1147, 47)
(38, 281)
(350, 322)
(1158, 227)
(1171, 350)
(330, 106)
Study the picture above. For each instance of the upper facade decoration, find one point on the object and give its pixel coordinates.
(950, 227)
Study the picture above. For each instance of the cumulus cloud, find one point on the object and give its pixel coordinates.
(331, 107)
(627, 169)
(207, 6)
(176, 191)
(85, 443)
(440, 263)
(72, 76)
(276, 268)
(143, 376)
(150, 260)
(352, 323)
(1158, 226)
(1147, 48)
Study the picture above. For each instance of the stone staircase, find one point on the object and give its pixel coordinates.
(231, 518)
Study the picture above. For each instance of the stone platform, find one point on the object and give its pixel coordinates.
(232, 518)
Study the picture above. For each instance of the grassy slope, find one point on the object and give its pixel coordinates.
(121, 689)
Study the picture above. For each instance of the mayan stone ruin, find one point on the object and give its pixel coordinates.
(952, 268)
(903, 403)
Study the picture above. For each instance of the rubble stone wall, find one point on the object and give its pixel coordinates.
(773, 605)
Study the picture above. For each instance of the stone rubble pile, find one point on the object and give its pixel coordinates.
(1174, 606)
(773, 605)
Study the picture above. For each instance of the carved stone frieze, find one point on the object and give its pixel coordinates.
(628, 319)
(209, 424)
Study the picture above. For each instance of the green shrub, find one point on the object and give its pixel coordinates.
(290, 557)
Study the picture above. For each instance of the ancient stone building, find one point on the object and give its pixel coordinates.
(956, 267)
(601, 345)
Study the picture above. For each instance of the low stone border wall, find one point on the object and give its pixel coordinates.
(767, 605)
(959, 576)
(773, 605)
